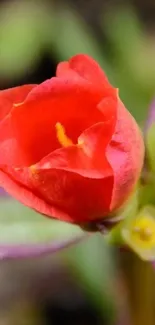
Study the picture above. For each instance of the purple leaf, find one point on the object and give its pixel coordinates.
(35, 250)
(151, 117)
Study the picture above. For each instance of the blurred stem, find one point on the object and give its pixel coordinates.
(139, 280)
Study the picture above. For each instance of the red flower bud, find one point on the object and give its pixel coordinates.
(68, 147)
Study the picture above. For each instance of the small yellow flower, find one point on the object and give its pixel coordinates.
(143, 231)
(139, 233)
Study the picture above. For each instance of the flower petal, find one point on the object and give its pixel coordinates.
(25, 195)
(98, 136)
(58, 193)
(89, 69)
(87, 158)
(49, 185)
(72, 102)
(85, 66)
(10, 152)
(125, 154)
(11, 96)
(64, 70)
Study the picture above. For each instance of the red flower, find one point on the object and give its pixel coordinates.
(68, 147)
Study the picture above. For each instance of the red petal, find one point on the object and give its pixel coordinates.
(26, 196)
(88, 159)
(125, 154)
(72, 102)
(60, 194)
(98, 136)
(76, 182)
(63, 70)
(10, 152)
(81, 198)
(89, 69)
(11, 96)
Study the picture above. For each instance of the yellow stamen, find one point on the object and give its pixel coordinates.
(80, 143)
(33, 169)
(34, 172)
(63, 139)
(17, 104)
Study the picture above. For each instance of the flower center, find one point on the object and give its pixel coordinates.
(144, 233)
(63, 139)
(144, 228)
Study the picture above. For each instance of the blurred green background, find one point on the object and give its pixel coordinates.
(83, 284)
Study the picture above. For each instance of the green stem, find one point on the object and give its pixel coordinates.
(140, 283)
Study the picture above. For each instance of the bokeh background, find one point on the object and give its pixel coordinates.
(85, 284)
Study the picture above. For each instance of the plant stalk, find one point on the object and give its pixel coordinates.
(139, 279)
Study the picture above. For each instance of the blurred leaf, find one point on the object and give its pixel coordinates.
(23, 232)
(21, 23)
(71, 35)
(132, 56)
(147, 193)
(150, 146)
(93, 266)
(19, 224)
(131, 44)
(150, 117)
(128, 35)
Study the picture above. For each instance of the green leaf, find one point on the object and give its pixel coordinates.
(21, 25)
(21, 225)
(147, 193)
(125, 31)
(71, 35)
(132, 58)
